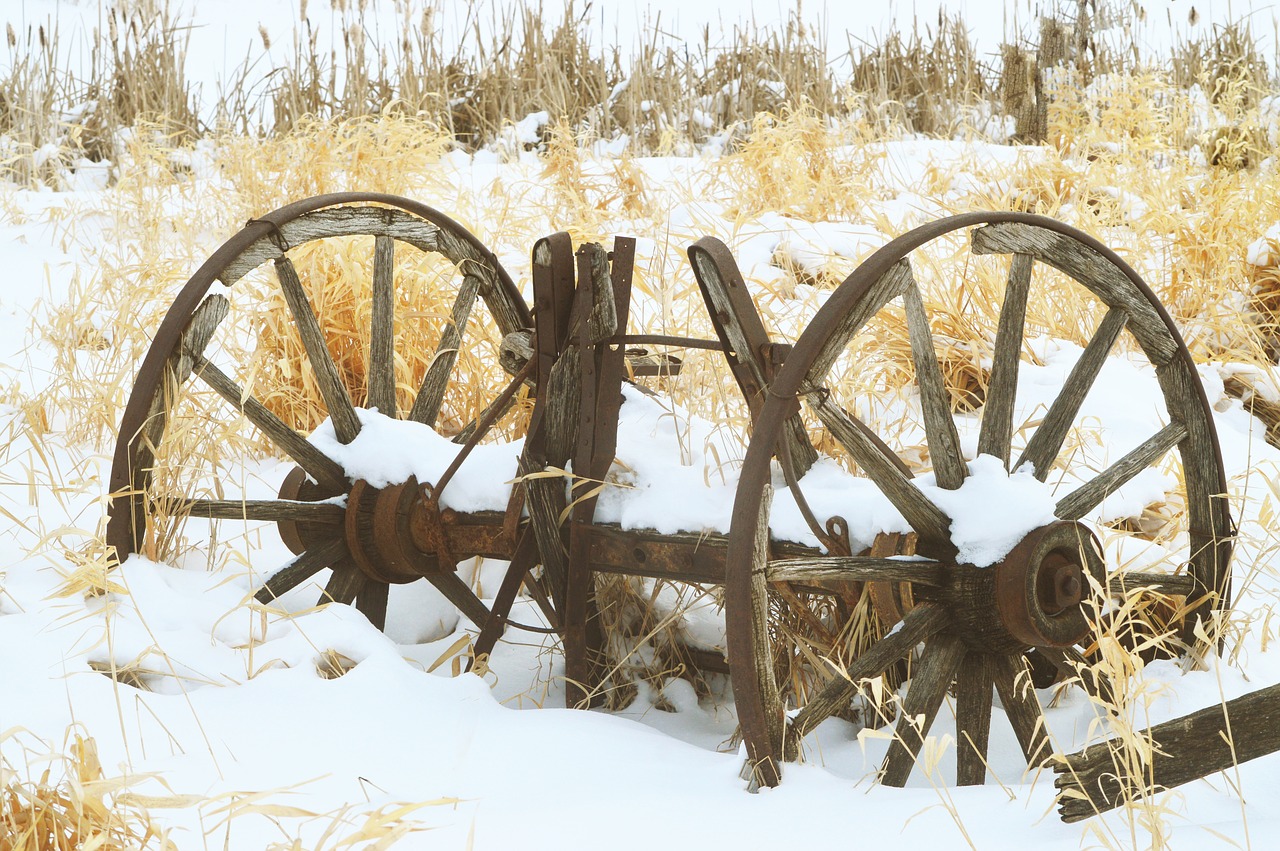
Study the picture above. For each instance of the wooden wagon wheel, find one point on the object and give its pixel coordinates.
(368, 542)
(975, 623)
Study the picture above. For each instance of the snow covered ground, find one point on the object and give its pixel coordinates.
(240, 742)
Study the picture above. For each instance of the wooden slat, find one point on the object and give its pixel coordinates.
(744, 339)
(346, 425)
(301, 569)
(327, 472)
(1089, 268)
(460, 594)
(265, 509)
(382, 366)
(604, 367)
(1013, 684)
(920, 623)
(345, 584)
(1046, 443)
(921, 571)
(935, 403)
(1088, 496)
(1218, 738)
(925, 517)
(1168, 583)
(890, 285)
(1073, 665)
(929, 683)
(426, 407)
(372, 602)
(973, 719)
(334, 221)
(996, 434)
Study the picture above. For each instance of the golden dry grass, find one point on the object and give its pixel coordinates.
(1131, 159)
(77, 809)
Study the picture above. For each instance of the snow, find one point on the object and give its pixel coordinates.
(238, 715)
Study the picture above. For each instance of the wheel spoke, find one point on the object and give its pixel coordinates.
(1176, 584)
(1088, 496)
(265, 509)
(935, 405)
(382, 366)
(301, 569)
(372, 602)
(327, 473)
(460, 594)
(426, 407)
(346, 583)
(346, 425)
(919, 624)
(1046, 443)
(973, 719)
(1073, 665)
(922, 571)
(933, 675)
(925, 517)
(1013, 684)
(996, 434)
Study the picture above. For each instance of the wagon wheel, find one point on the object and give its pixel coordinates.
(976, 624)
(367, 542)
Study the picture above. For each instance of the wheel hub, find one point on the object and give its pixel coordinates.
(381, 527)
(1033, 597)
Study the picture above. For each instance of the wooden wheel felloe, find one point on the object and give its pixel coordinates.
(380, 536)
(975, 623)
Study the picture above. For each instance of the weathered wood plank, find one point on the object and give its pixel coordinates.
(1088, 496)
(382, 364)
(891, 285)
(1218, 738)
(334, 221)
(372, 602)
(744, 339)
(426, 407)
(929, 683)
(996, 433)
(266, 510)
(919, 624)
(925, 518)
(327, 472)
(451, 586)
(301, 569)
(935, 402)
(1169, 583)
(974, 682)
(346, 425)
(1046, 442)
(1013, 684)
(345, 584)
(1091, 269)
(921, 571)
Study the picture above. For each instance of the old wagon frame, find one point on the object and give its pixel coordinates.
(573, 353)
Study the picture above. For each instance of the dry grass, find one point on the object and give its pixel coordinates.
(81, 809)
(1132, 156)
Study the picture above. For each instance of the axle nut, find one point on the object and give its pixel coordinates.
(1041, 583)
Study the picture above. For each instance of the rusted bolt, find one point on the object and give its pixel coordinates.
(1061, 585)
